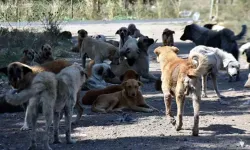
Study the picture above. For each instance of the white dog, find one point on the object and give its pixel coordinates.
(217, 59)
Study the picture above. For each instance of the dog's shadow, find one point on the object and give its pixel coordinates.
(223, 129)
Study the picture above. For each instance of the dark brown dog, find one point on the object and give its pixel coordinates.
(167, 37)
(20, 75)
(81, 34)
(91, 95)
(44, 55)
(28, 57)
(179, 78)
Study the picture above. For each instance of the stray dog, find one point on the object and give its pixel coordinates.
(224, 39)
(130, 50)
(130, 97)
(124, 36)
(167, 37)
(91, 95)
(44, 55)
(99, 73)
(133, 31)
(56, 93)
(245, 48)
(141, 65)
(217, 60)
(98, 51)
(28, 57)
(81, 34)
(20, 76)
(179, 78)
(65, 35)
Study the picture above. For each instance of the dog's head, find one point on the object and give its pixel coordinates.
(167, 37)
(233, 68)
(46, 51)
(130, 50)
(131, 87)
(16, 72)
(163, 51)
(103, 70)
(247, 52)
(123, 32)
(29, 54)
(82, 33)
(144, 42)
(129, 74)
(99, 37)
(132, 28)
(187, 35)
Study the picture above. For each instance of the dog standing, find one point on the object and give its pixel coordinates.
(179, 78)
(130, 97)
(167, 37)
(124, 36)
(217, 60)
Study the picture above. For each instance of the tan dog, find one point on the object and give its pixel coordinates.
(130, 97)
(91, 95)
(28, 57)
(20, 76)
(56, 93)
(167, 37)
(44, 55)
(179, 78)
(98, 51)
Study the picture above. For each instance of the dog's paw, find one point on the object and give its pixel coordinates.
(178, 127)
(195, 131)
(172, 121)
(204, 95)
(25, 127)
(71, 141)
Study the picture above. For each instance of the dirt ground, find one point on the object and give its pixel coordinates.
(221, 126)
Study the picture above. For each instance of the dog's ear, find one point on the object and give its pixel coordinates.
(25, 51)
(124, 84)
(175, 49)
(118, 31)
(26, 70)
(4, 70)
(100, 71)
(140, 83)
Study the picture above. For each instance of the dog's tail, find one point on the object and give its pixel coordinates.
(200, 62)
(242, 33)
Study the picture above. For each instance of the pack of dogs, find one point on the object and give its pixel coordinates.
(40, 81)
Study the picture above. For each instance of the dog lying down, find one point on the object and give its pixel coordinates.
(179, 78)
(56, 93)
(217, 60)
(130, 97)
(91, 95)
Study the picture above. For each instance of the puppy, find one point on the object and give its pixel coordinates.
(56, 93)
(124, 36)
(20, 76)
(133, 31)
(98, 51)
(130, 97)
(179, 78)
(141, 65)
(167, 37)
(28, 57)
(91, 95)
(217, 60)
(224, 39)
(44, 55)
(245, 49)
(99, 73)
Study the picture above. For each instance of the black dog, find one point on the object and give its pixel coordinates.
(224, 39)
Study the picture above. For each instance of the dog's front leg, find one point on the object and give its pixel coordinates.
(25, 124)
(84, 56)
(214, 79)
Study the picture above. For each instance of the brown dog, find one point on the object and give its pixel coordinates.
(130, 97)
(28, 57)
(179, 78)
(91, 95)
(167, 37)
(81, 34)
(44, 55)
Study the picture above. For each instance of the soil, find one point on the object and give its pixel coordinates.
(221, 126)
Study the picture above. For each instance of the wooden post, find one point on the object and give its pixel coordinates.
(72, 10)
(211, 9)
(217, 8)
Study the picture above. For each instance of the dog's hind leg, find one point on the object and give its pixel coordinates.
(196, 106)
(56, 122)
(79, 108)
(204, 85)
(167, 102)
(112, 105)
(48, 114)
